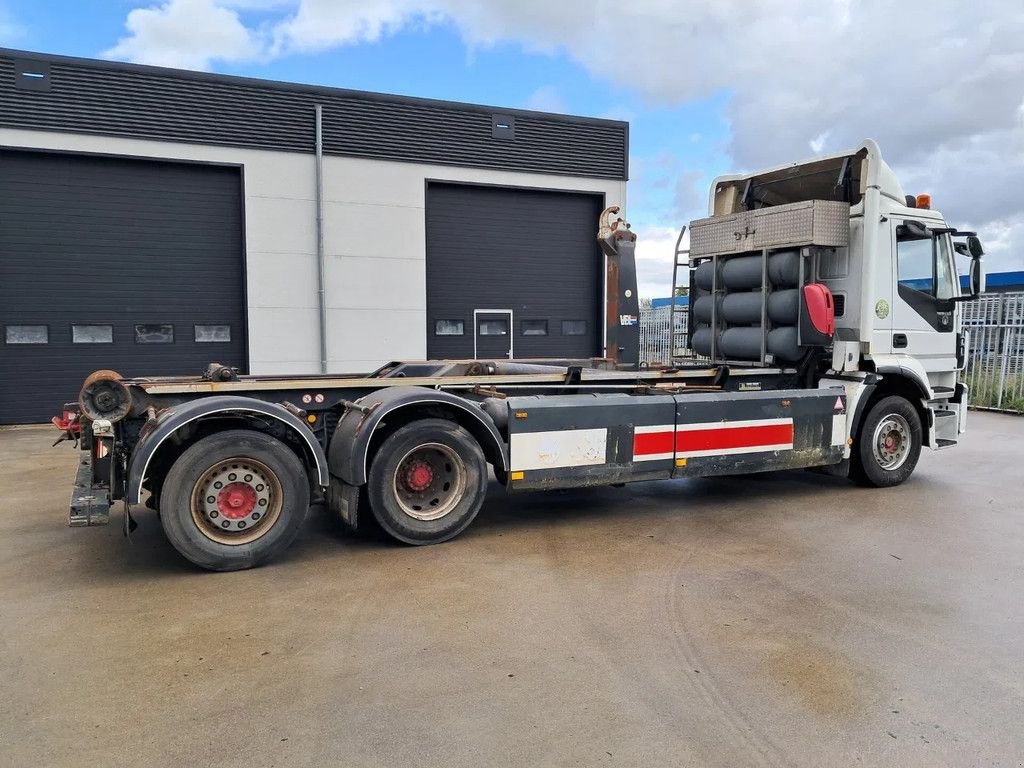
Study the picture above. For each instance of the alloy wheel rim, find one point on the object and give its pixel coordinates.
(891, 442)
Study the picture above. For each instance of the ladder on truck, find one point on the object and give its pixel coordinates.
(679, 342)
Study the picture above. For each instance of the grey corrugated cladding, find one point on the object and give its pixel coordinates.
(99, 97)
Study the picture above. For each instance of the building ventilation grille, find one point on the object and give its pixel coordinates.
(150, 103)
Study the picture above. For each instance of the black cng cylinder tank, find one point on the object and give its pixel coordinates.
(784, 269)
(784, 306)
(740, 273)
(704, 273)
(702, 308)
(782, 343)
(701, 341)
(742, 308)
(741, 343)
(745, 343)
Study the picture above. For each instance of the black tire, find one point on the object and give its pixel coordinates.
(427, 481)
(278, 489)
(872, 462)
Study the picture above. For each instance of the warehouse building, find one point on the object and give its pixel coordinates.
(153, 220)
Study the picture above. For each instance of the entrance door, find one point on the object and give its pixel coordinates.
(924, 313)
(493, 333)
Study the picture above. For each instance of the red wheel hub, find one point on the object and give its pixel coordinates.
(891, 442)
(418, 475)
(236, 500)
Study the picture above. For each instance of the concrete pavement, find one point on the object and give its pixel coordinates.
(788, 619)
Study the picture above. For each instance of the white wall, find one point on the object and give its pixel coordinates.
(374, 241)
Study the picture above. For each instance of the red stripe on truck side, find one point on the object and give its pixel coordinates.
(723, 439)
(645, 443)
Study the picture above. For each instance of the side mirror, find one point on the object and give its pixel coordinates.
(977, 274)
(974, 247)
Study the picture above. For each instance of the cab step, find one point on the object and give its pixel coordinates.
(947, 428)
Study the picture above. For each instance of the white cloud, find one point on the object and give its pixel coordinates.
(186, 33)
(546, 99)
(817, 144)
(940, 84)
(317, 25)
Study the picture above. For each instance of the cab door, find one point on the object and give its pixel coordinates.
(924, 311)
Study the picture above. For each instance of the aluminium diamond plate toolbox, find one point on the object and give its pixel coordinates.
(810, 222)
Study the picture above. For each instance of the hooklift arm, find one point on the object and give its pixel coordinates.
(622, 305)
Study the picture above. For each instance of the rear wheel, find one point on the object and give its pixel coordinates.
(889, 444)
(234, 500)
(427, 481)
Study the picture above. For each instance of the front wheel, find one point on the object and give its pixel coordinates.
(234, 499)
(889, 444)
(427, 481)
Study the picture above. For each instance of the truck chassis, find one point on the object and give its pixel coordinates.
(232, 463)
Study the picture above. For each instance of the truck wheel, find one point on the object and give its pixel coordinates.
(234, 500)
(427, 481)
(889, 444)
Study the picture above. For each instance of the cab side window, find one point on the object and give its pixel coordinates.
(915, 264)
(923, 264)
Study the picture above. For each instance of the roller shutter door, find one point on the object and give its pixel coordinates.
(130, 265)
(531, 253)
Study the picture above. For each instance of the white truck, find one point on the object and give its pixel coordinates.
(825, 323)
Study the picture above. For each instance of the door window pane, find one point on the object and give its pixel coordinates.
(212, 333)
(154, 334)
(915, 263)
(449, 328)
(574, 327)
(26, 334)
(535, 327)
(947, 286)
(498, 327)
(92, 334)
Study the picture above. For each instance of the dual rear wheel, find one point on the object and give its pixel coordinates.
(236, 499)
(427, 481)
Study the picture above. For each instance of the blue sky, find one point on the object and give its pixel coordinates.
(707, 86)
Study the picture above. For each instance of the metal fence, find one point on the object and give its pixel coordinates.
(995, 357)
(655, 337)
(656, 340)
(995, 352)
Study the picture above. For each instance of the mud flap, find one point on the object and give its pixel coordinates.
(343, 501)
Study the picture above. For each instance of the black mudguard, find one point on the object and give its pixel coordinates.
(156, 431)
(349, 450)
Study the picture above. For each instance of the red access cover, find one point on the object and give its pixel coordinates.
(820, 308)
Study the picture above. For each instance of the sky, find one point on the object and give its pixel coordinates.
(708, 86)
